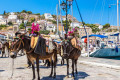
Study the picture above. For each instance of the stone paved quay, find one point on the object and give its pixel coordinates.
(86, 70)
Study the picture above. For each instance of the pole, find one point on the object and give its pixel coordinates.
(61, 18)
(118, 14)
(118, 17)
(72, 14)
(88, 43)
(66, 18)
(57, 17)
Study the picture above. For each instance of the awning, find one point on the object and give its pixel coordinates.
(95, 35)
(117, 34)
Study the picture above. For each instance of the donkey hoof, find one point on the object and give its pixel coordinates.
(67, 77)
(73, 77)
(54, 76)
(38, 78)
(50, 75)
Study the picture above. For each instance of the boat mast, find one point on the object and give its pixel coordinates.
(57, 19)
(118, 17)
(72, 13)
(118, 14)
(61, 18)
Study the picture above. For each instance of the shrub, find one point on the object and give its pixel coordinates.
(44, 32)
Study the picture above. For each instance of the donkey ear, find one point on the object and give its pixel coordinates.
(22, 35)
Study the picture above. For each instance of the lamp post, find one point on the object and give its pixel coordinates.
(65, 6)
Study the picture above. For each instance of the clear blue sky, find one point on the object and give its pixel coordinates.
(93, 11)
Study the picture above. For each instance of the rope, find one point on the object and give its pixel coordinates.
(94, 11)
(103, 6)
(81, 17)
(12, 68)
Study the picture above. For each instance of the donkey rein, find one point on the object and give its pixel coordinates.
(12, 68)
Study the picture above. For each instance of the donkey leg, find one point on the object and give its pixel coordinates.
(62, 61)
(37, 64)
(76, 66)
(55, 62)
(51, 69)
(28, 62)
(2, 54)
(33, 69)
(73, 61)
(67, 68)
(8, 53)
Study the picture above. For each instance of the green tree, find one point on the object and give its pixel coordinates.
(32, 20)
(29, 12)
(10, 23)
(38, 14)
(29, 24)
(23, 11)
(4, 12)
(54, 22)
(54, 16)
(21, 17)
(21, 26)
(44, 32)
(64, 24)
(106, 26)
(42, 17)
(94, 28)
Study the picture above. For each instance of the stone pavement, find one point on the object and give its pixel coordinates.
(109, 63)
(85, 71)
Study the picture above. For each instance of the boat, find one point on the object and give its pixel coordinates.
(107, 49)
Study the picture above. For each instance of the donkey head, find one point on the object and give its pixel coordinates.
(18, 45)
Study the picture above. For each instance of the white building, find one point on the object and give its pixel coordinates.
(1, 17)
(74, 24)
(51, 27)
(12, 17)
(2, 20)
(100, 26)
(48, 16)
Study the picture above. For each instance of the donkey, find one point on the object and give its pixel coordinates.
(4, 47)
(24, 43)
(70, 52)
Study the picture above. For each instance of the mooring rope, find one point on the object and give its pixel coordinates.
(12, 68)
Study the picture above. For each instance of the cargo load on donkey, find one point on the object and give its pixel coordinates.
(38, 44)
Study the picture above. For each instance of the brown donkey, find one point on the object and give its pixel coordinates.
(68, 51)
(24, 43)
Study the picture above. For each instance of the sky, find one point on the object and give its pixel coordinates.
(92, 11)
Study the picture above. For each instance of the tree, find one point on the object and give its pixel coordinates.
(32, 20)
(21, 26)
(4, 13)
(54, 16)
(94, 28)
(42, 17)
(106, 26)
(29, 24)
(64, 24)
(10, 23)
(2, 26)
(38, 14)
(44, 32)
(54, 22)
(29, 12)
(23, 11)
